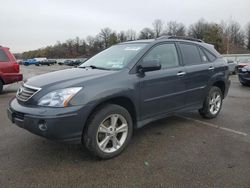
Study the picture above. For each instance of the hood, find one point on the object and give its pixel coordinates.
(66, 77)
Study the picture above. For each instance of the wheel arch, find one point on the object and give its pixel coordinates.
(2, 80)
(123, 101)
(220, 84)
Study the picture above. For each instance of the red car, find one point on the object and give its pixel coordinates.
(9, 69)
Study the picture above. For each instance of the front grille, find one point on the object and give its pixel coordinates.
(25, 92)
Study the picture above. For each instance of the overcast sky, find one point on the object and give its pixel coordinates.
(31, 24)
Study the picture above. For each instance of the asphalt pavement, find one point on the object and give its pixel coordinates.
(181, 151)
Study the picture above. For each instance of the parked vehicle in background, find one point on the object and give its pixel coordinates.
(66, 62)
(20, 62)
(47, 62)
(28, 62)
(72, 62)
(78, 62)
(9, 69)
(242, 64)
(124, 87)
(244, 73)
(232, 65)
(34, 61)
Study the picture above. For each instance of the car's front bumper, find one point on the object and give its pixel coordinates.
(60, 124)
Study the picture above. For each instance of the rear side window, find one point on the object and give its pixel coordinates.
(190, 54)
(203, 56)
(210, 56)
(3, 56)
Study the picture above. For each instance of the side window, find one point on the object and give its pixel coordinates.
(166, 54)
(190, 54)
(210, 56)
(203, 56)
(3, 56)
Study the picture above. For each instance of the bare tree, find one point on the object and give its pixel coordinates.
(157, 27)
(233, 37)
(175, 29)
(104, 35)
(146, 33)
(198, 29)
(248, 35)
(90, 41)
(131, 34)
(122, 36)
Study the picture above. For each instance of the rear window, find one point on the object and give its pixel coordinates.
(3, 56)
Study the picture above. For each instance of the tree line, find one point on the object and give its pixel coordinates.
(227, 37)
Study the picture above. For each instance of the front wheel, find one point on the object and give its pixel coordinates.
(108, 131)
(212, 104)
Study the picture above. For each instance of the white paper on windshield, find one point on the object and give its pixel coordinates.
(132, 48)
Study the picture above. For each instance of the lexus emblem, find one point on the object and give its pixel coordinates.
(19, 91)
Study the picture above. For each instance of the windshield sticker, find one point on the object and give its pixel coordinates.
(117, 66)
(132, 48)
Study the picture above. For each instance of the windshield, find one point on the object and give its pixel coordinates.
(115, 57)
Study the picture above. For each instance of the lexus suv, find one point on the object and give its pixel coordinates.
(9, 68)
(124, 87)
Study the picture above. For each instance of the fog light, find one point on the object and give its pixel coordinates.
(42, 125)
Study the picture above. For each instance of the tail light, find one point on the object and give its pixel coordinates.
(16, 67)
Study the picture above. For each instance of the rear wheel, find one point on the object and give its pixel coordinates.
(212, 104)
(244, 84)
(108, 131)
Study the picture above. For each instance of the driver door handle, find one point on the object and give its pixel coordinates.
(181, 73)
(211, 68)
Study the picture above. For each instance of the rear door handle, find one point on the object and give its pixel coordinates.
(211, 68)
(181, 73)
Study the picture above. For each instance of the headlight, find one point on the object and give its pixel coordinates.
(59, 98)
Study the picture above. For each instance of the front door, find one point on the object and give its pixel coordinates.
(163, 90)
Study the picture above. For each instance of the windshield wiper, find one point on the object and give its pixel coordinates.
(94, 67)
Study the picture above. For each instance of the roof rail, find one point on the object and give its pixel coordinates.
(179, 37)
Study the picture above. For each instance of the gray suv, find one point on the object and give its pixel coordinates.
(124, 87)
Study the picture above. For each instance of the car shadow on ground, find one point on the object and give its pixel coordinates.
(76, 153)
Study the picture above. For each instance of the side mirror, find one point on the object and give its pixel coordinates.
(149, 65)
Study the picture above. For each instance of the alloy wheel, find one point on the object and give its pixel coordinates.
(112, 133)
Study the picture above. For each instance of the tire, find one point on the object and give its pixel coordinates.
(212, 104)
(244, 84)
(1, 86)
(104, 141)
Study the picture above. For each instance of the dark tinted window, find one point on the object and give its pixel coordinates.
(3, 56)
(166, 54)
(190, 54)
(210, 56)
(203, 56)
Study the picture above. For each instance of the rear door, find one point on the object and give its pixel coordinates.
(163, 91)
(199, 71)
